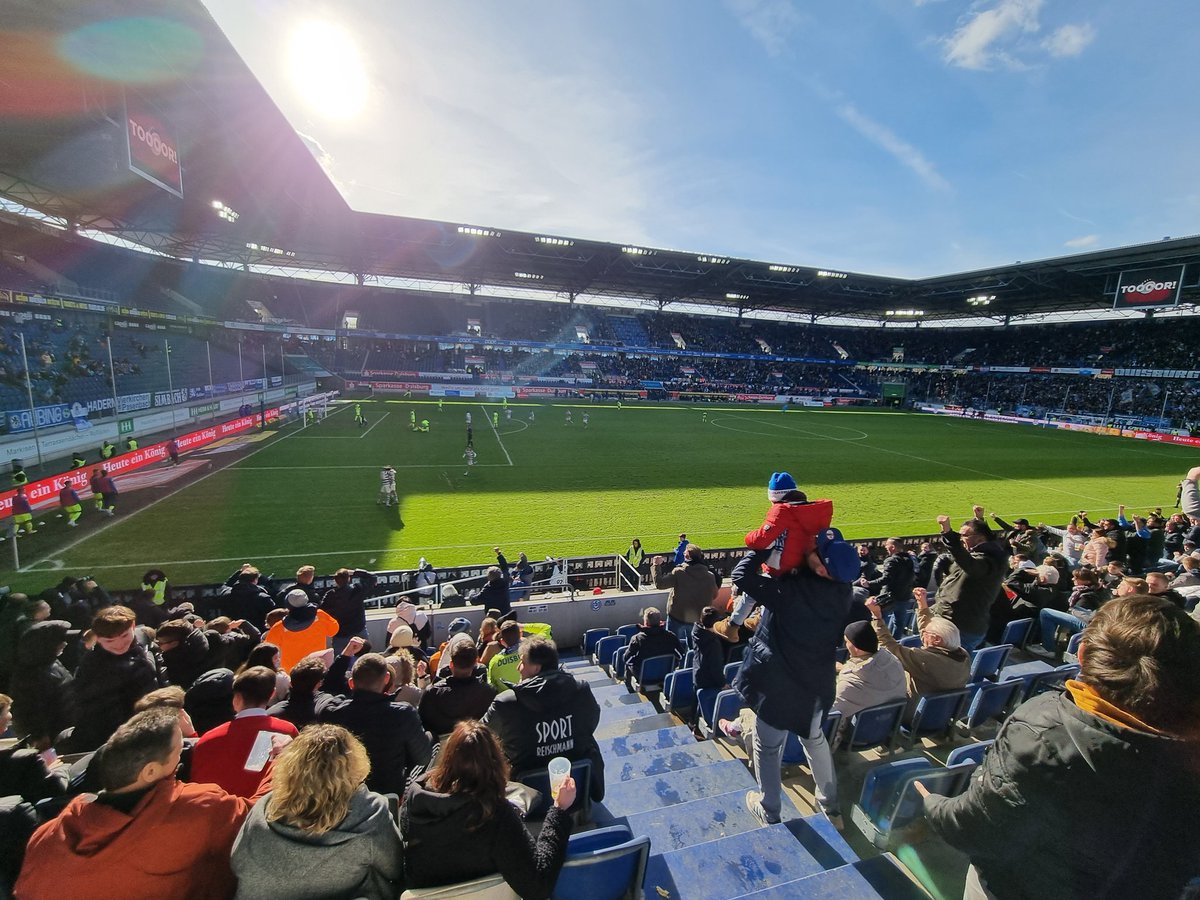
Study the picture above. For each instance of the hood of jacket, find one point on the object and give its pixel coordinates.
(363, 807)
(299, 618)
(39, 645)
(423, 806)
(547, 691)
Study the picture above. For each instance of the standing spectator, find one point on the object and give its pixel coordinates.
(460, 696)
(709, 662)
(635, 554)
(494, 593)
(892, 588)
(111, 678)
(693, 587)
(1108, 762)
(242, 597)
(926, 559)
(1026, 593)
(303, 582)
(1021, 538)
(146, 834)
(304, 630)
(966, 593)
(681, 551)
(396, 744)
(415, 618)
(457, 824)
(1096, 550)
(426, 581)
(319, 832)
(939, 664)
(155, 583)
(548, 713)
(652, 639)
(229, 643)
(788, 676)
(233, 755)
(345, 602)
(185, 651)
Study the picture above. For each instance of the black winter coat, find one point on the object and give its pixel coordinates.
(445, 843)
(895, 582)
(551, 714)
(648, 642)
(189, 659)
(789, 672)
(494, 594)
(1070, 805)
(43, 699)
(244, 600)
(391, 733)
(345, 604)
(448, 702)
(966, 594)
(709, 661)
(106, 688)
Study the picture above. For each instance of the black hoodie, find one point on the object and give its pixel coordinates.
(551, 714)
(188, 660)
(43, 702)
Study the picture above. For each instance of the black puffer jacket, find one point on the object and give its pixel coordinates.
(444, 843)
(551, 714)
(895, 582)
(189, 659)
(106, 687)
(1070, 805)
(43, 700)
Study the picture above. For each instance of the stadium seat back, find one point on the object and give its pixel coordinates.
(1016, 632)
(935, 713)
(875, 726)
(606, 647)
(604, 864)
(991, 701)
(731, 670)
(679, 687)
(972, 753)
(653, 671)
(591, 638)
(987, 662)
(628, 630)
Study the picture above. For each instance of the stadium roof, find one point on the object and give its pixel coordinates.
(63, 153)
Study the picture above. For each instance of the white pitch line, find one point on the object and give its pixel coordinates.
(115, 521)
(377, 421)
(488, 419)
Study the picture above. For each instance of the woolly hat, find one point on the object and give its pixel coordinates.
(297, 598)
(862, 636)
(402, 638)
(459, 625)
(780, 485)
(840, 559)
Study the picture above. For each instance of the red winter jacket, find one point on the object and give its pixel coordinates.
(791, 528)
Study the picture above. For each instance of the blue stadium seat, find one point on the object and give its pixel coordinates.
(628, 630)
(604, 864)
(991, 701)
(689, 659)
(972, 753)
(1054, 680)
(889, 801)
(605, 648)
(617, 666)
(679, 688)
(731, 670)
(1073, 645)
(1016, 632)
(591, 638)
(652, 672)
(706, 699)
(875, 726)
(987, 662)
(935, 714)
(737, 653)
(726, 706)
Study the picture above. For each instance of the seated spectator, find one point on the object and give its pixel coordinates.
(1026, 594)
(1073, 540)
(304, 630)
(185, 651)
(111, 677)
(396, 744)
(488, 644)
(1189, 573)
(269, 656)
(403, 642)
(405, 674)
(1086, 598)
(233, 755)
(708, 663)
(319, 832)
(939, 664)
(457, 626)
(307, 676)
(548, 713)
(457, 824)
(41, 686)
(415, 618)
(1106, 762)
(872, 675)
(23, 771)
(460, 696)
(503, 667)
(1159, 585)
(146, 834)
(652, 639)
(209, 701)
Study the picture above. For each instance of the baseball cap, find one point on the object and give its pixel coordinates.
(840, 559)
(297, 598)
(459, 625)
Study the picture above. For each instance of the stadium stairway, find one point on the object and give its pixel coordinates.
(688, 797)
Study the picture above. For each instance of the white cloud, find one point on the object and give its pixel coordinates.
(890, 142)
(981, 41)
(770, 22)
(1079, 243)
(323, 157)
(1070, 40)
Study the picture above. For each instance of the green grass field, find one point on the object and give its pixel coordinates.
(543, 487)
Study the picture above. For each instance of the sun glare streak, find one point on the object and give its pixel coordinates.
(327, 69)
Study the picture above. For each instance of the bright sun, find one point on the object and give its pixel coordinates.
(327, 69)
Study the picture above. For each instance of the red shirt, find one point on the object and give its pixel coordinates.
(220, 756)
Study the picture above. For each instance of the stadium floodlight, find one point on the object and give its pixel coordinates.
(733, 296)
(822, 273)
(905, 312)
(784, 270)
(554, 241)
(981, 299)
(477, 232)
(533, 276)
(276, 251)
(225, 212)
(638, 251)
(713, 260)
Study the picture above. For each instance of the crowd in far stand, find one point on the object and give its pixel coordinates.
(261, 747)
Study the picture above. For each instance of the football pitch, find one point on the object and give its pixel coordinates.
(548, 488)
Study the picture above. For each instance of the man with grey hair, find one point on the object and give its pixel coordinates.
(939, 664)
(652, 639)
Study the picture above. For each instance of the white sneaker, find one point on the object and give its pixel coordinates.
(754, 804)
(72, 524)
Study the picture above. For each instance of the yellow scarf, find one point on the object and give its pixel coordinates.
(1089, 701)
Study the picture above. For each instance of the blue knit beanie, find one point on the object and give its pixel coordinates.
(780, 485)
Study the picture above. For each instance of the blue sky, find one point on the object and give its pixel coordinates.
(900, 137)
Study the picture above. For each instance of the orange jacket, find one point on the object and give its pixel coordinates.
(295, 645)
